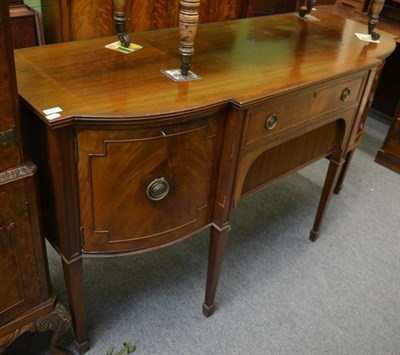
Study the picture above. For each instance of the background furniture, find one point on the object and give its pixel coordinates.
(26, 25)
(389, 154)
(66, 20)
(132, 161)
(387, 102)
(391, 9)
(26, 300)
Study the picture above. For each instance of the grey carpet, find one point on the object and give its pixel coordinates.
(278, 292)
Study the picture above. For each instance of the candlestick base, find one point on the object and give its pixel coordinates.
(176, 75)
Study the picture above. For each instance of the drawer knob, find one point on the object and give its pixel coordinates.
(157, 189)
(345, 94)
(271, 122)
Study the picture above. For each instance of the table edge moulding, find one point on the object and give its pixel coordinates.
(130, 161)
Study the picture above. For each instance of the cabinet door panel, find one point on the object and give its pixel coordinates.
(116, 171)
(19, 280)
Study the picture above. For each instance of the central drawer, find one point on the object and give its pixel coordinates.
(286, 111)
(143, 188)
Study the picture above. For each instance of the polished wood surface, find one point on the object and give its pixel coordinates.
(276, 94)
(225, 58)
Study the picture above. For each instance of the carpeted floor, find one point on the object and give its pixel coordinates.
(279, 293)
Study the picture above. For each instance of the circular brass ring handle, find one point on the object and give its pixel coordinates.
(157, 189)
(271, 122)
(345, 94)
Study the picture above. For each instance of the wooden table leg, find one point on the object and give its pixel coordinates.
(188, 22)
(373, 17)
(119, 21)
(57, 322)
(332, 176)
(73, 274)
(218, 241)
(307, 8)
(343, 171)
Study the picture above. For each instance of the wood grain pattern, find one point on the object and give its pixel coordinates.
(91, 19)
(223, 10)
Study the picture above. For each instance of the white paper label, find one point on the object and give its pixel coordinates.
(365, 38)
(53, 116)
(52, 110)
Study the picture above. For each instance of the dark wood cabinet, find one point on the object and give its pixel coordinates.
(387, 102)
(389, 154)
(26, 299)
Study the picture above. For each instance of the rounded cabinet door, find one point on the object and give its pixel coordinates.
(143, 188)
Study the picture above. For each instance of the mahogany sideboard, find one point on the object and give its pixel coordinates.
(27, 302)
(132, 161)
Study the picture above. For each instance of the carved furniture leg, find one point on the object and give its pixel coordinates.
(373, 17)
(329, 185)
(73, 274)
(343, 172)
(188, 22)
(56, 322)
(307, 8)
(120, 20)
(218, 241)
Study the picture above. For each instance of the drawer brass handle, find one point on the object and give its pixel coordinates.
(271, 122)
(157, 189)
(345, 94)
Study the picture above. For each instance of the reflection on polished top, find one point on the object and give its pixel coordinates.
(240, 61)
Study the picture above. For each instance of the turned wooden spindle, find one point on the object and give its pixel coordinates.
(120, 20)
(373, 17)
(188, 22)
(307, 8)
